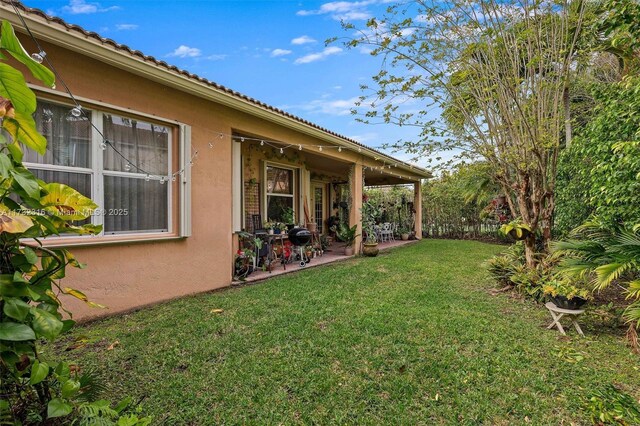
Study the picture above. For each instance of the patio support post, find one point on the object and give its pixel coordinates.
(355, 215)
(417, 204)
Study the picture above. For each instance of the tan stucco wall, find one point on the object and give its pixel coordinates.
(127, 275)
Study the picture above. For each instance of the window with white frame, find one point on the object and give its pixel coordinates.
(130, 200)
(280, 191)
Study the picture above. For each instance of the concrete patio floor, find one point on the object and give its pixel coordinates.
(334, 254)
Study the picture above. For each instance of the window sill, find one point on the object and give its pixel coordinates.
(66, 242)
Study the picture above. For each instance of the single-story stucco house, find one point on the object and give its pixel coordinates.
(163, 237)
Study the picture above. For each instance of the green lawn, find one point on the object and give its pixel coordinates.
(413, 336)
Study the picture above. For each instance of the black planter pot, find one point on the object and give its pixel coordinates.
(564, 303)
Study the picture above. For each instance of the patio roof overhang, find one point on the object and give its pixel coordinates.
(75, 38)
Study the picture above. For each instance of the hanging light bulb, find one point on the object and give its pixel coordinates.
(53, 86)
(320, 148)
(38, 57)
(359, 149)
(147, 178)
(162, 180)
(173, 178)
(210, 144)
(103, 145)
(241, 139)
(299, 147)
(127, 167)
(281, 151)
(339, 149)
(261, 143)
(76, 111)
(220, 135)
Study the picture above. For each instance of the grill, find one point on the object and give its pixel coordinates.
(300, 237)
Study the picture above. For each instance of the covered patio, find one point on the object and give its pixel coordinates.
(316, 185)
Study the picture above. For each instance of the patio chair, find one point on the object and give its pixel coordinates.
(386, 233)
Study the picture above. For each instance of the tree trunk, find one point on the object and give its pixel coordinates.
(530, 250)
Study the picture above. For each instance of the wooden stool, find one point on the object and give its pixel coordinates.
(558, 313)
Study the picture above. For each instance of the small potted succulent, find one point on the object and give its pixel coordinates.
(565, 294)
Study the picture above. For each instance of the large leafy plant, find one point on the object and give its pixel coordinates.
(33, 389)
(606, 256)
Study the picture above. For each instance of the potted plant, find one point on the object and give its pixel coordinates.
(347, 236)
(564, 294)
(269, 226)
(369, 214)
(404, 231)
(287, 217)
(281, 227)
(311, 225)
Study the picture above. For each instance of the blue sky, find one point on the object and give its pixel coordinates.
(273, 51)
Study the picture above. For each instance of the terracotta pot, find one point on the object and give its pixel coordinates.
(404, 237)
(370, 249)
(311, 226)
(348, 251)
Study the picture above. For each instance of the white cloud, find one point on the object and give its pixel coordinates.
(313, 57)
(280, 52)
(346, 10)
(186, 52)
(79, 7)
(126, 27)
(218, 57)
(326, 106)
(365, 137)
(303, 40)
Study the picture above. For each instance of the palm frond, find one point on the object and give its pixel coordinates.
(609, 272)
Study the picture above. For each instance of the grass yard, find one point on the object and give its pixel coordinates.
(414, 336)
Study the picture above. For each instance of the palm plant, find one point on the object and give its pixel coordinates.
(606, 256)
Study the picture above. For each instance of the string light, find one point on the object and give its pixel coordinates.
(147, 178)
(281, 151)
(299, 147)
(103, 145)
(127, 167)
(320, 148)
(76, 111)
(162, 180)
(210, 144)
(38, 57)
(339, 149)
(261, 142)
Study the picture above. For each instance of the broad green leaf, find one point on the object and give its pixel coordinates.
(14, 87)
(39, 371)
(10, 42)
(67, 203)
(9, 288)
(27, 181)
(23, 128)
(30, 255)
(58, 408)
(16, 308)
(67, 325)
(63, 370)
(16, 151)
(46, 324)
(12, 222)
(15, 332)
(5, 165)
(70, 388)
